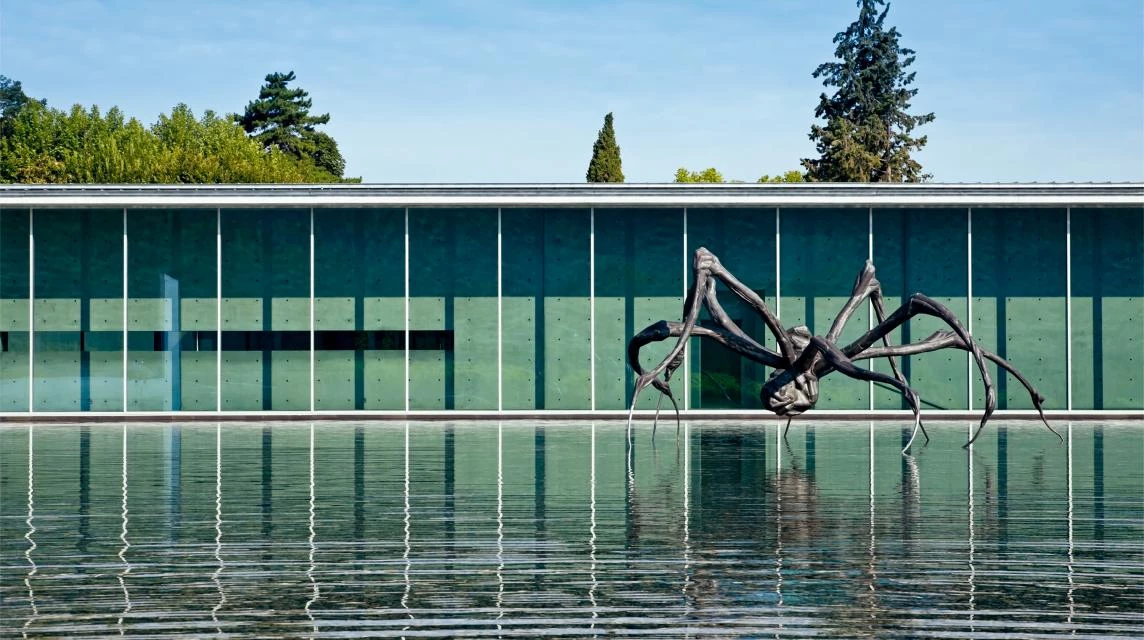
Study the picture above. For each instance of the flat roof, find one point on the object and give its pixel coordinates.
(567, 195)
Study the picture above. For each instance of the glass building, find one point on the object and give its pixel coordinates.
(520, 299)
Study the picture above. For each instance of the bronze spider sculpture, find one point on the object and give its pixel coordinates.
(802, 358)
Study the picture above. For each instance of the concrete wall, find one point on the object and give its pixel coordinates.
(1006, 272)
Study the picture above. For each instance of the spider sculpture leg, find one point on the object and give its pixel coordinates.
(706, 270)
(920, 304)
(950, 340)
(866, 286)
(838, 361)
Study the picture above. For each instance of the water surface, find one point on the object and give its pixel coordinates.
(526, 529)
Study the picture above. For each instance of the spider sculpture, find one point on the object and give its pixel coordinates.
(802, 358)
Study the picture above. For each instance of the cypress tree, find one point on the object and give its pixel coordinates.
(280, 119)
(867, 134)
(605, 165)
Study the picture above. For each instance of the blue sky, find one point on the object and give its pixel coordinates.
(500, 91)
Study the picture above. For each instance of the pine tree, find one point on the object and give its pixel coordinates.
(280, 119)
(605, 165)
(867, 135)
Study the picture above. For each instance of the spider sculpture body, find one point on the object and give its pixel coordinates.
(802, 358)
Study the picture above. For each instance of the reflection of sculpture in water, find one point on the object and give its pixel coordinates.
(803, 358)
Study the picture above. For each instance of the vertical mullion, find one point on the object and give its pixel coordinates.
(218, 309)
(125, 308)
(969, 305)
(500, 315)
(407, 310)
(869, 304)
(686, 347)
(311, 308)
(31, 314)
(1068, 310)
(592, 306)
(778, 266)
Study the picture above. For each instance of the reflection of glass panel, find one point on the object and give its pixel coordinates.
(14, 335)
(453, 287)
(744, 241)
(823, 251)
(546, 308)
(359, 309)
(266, 288)
(639, 281)
(79, 310)
(171, 310)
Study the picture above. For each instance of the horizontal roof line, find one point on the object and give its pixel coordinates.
(805, 194)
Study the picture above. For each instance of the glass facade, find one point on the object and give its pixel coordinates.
(487, 309)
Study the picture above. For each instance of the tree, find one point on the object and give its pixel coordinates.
(84, 146)
(12, 97)
(606, 165)
(794, 175)
(867, 132)
(280, 119)
(710, 174)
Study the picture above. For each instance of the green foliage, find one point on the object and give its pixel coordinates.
(710, 174)
(12, 97)
(793, 175)
(280, 119)
(606, 165)
(44, 145)
(867, 135)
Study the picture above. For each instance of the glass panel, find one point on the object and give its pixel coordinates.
(266, 309)
(823, 251)
(79, 310)
(14, 335)
(359, 309)
(1108, 308)
(453, 308)
(744, 241)
(924, 250)
(1019, 302)
(639, 281)
(546, 308)
(172, 310)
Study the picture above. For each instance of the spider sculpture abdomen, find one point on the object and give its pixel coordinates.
(802, 358)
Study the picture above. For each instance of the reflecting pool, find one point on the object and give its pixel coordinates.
(529, 529)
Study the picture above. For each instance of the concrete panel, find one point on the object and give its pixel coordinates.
(56, 314)
(334, 314)
(426, 313)
(384, 380)
(198, 314)
(290, 314)
(57, 384)
(199, 392)
(427, 380)
(744, 241)
(519, 352)
(290, 376)
(242, 314)
(14, 315)
(567, 353)
(14, 376)
(612, 388)
(823, 251)
(334, 380)
(475, 353)
(146, 314)
(242, 381)
(926, 251)
(639, 259)
(384, 313)
(1019, 301)
(149, 381)
(1108, 308)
